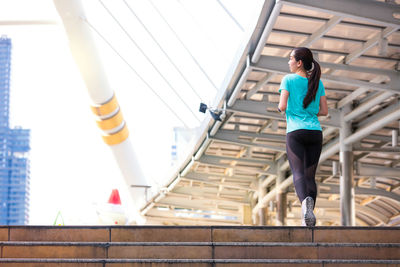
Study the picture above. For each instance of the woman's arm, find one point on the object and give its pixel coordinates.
(283, 100)
(323, 106)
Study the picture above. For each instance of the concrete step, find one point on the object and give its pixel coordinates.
(156, 246)
(55, 233)
(192, 263)
(200, 250)
(307, 251)
(200, 234)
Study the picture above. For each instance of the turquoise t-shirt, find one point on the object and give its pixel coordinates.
(296, 116)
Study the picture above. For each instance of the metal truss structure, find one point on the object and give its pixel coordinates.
(238, 173)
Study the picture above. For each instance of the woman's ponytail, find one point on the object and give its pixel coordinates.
(313, 83)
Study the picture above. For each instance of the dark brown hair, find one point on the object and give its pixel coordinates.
(313, 72)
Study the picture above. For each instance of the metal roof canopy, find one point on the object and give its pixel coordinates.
(232, 171)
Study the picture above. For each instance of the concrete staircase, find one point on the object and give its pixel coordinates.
(156, 246)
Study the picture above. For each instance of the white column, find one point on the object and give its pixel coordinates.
(104, 103)
(262, 212)
(281, 199)
(347, 204)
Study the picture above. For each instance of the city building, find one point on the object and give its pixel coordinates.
(14, 159)
(182, 138)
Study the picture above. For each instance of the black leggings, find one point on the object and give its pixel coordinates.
(303, 148)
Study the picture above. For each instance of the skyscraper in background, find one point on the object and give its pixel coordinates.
(182, 137)
(14, 148)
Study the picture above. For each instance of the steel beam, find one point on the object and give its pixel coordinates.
(240, 83)
(381, 114)
(196, 205)
(248, 169)
(206, 176)
(279, 65)
(370, 43)
(321, 31)
(332, 37)
(259, 85)
(217, 159)
(270, 137)
(216, 183)
(267, 31)
(169, 218)
(358, 92)
(377, 171)
(390, 87)
(271, 194)
(256, 108)
(367, 106)
(381, 138)
(335, 189)
(372, 11)
(352, 96)
(259, 108)
(395, 150)
(393, 75)
(234, 140)
(339, 54)
(268, 180)
(209, 194)
(376, 122)
(373, 123)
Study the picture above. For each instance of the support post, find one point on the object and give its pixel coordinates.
(263, 212)
(281, 199)
(104, 103)
(253, 203)
(395, 137)
(347, 204)
(247, 220)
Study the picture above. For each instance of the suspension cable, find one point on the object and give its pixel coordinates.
(159, 46)
(184, 46)
(144, 54)
(230, 15)
(201, 27)
(133, 69)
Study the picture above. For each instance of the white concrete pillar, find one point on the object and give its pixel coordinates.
(347, 204)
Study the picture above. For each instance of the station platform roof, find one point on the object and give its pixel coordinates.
(357, 44)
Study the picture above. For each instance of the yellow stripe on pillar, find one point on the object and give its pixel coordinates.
(109, 117)
(110, 123)
(118, 137)
(106, 108)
